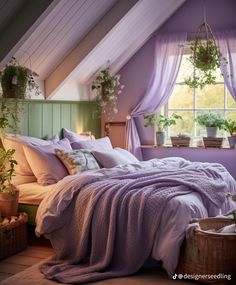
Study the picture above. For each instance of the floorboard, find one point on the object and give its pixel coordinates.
(37, 250)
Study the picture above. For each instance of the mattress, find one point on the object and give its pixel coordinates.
(32, 193)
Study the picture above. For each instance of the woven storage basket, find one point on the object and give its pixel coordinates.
(13, 236)
(207, 253)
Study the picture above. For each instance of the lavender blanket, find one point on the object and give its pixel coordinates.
(107, 223)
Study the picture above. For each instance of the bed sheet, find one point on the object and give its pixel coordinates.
(33, 193)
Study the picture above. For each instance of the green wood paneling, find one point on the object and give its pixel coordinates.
(24, 122)
(56, 118)
(47, 121)
(66, 115)
(35, 119)
(44, 119)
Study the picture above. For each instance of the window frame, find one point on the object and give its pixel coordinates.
(166, 110)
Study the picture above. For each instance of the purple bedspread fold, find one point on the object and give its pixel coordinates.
(107, 223)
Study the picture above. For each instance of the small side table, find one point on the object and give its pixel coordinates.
(13, 234)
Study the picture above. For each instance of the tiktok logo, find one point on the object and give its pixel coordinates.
(174, 276)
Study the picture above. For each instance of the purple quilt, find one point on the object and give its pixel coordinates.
(107, 223)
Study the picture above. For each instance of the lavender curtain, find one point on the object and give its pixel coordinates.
(168, 55)
(227, 45)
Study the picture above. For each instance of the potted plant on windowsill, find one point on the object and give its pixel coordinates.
(162, 123)
(230, 126)
(212, 122)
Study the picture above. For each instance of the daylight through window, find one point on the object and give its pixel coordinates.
(191, 102)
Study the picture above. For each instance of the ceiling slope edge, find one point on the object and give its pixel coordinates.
(119, 44)
(65, 69)
(26, 20)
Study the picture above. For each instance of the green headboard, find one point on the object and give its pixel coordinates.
(43, 119)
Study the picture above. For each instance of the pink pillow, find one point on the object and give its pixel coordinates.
(98, 144)
(45, 165)
(23, 172)
(74, 137)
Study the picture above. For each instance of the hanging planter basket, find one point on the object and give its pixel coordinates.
(205, 59)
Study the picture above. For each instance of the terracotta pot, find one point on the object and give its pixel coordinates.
(9, 203)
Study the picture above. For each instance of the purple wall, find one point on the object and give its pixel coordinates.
(224, 156)
(135, 75)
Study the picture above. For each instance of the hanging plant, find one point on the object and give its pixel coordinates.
(205, 59)
(18, 81)
(107, 88)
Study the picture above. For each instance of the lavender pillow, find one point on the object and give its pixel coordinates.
(127, 154)
(98, 144)
(45, 165)
(109, 159)
(23, 172)
(74, 137)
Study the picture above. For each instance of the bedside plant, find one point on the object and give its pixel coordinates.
(8, 193)
(161, 123)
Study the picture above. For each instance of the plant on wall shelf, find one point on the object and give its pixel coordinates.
(107, 88)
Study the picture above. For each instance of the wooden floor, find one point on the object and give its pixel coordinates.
(37, 250)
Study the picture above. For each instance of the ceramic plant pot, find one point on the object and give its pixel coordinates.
(232, 142)
(160, 138)
(211, 132)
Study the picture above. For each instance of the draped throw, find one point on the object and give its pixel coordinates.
(168, 55)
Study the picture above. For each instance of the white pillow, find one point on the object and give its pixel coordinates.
(127, 154)
(23, 172)
(109, 159)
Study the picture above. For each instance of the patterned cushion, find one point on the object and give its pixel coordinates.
(77, 160)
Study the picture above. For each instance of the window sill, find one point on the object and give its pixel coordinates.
(147, 146)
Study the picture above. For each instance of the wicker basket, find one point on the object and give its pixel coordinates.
(209, 253)
(213, 142)
(180, 141)
(13, 235)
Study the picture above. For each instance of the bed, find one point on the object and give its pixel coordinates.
(30, 196)
(109, 222)
(106, 213)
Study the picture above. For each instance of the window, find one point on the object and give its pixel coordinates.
(190, 102)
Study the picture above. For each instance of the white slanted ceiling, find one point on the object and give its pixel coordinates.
(78, 37)
(117, 46)
(60, 32)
